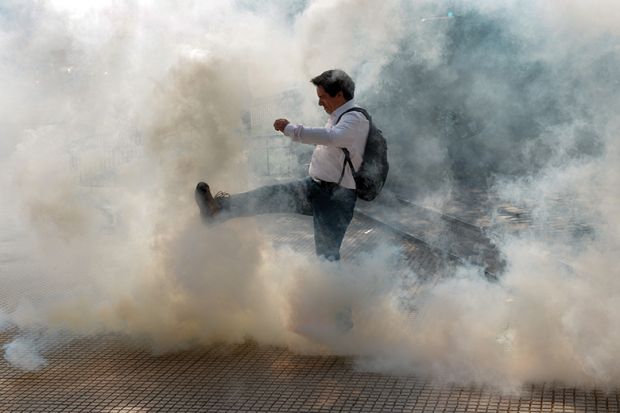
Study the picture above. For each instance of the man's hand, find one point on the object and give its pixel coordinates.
(280, 124)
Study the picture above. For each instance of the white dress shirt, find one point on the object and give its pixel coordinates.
(327, 159)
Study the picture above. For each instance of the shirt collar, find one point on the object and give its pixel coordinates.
(336, 114)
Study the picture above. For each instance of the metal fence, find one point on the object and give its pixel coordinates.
(270, 155)
(97, 159)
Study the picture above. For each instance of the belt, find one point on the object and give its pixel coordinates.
(325, 184)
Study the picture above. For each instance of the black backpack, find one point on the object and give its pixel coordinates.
(371, 175)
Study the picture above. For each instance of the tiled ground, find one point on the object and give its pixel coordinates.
(105, 374)
(109, 374)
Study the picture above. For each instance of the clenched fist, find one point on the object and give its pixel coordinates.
(280, 124)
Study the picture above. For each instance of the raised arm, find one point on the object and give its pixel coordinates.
(351, 126)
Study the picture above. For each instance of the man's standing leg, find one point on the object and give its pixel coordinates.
(333, 212)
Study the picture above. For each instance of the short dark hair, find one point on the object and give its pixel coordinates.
(334, 81)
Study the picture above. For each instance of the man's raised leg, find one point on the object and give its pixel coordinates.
(290, 197)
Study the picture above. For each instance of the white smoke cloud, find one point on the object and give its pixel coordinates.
(127, 105)
(23, 354)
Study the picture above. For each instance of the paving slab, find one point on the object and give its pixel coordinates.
(105, 374)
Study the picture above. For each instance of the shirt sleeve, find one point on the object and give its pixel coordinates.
(342, 135)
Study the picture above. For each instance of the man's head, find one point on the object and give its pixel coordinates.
(334, 88)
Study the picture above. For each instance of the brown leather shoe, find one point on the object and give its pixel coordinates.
(209, 206)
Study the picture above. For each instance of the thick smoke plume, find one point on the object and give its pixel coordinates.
(112, 111)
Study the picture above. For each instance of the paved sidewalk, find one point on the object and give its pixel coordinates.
(104, 374)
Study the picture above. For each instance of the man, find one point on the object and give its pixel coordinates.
(328, 194)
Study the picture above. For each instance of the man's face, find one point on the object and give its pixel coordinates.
(329, 103)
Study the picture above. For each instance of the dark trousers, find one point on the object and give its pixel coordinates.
(330, 205)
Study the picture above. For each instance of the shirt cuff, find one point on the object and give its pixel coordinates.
(292, 131)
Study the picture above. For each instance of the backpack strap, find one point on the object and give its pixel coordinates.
(347, 160)
(347, 155)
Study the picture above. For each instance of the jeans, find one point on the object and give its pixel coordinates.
(331, 207)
